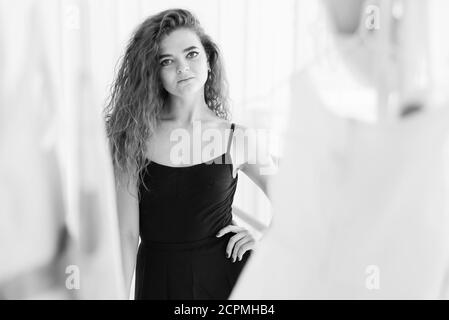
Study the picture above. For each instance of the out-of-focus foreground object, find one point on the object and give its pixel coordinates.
(361, 208)
(356, 206)
(58, 228)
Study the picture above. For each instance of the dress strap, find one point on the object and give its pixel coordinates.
(230, 138)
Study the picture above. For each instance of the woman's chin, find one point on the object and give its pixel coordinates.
(188, 89)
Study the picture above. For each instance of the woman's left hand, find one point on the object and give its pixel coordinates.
(239, 243)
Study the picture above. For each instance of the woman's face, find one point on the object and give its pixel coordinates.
(183, 61)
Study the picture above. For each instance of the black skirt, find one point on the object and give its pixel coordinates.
(189, 271)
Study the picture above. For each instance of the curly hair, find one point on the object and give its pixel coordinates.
(137, 95)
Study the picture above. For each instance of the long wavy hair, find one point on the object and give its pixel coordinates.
(137, 95)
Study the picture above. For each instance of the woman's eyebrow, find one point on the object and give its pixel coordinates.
(185, 50)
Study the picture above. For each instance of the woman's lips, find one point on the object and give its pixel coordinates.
(185, 79)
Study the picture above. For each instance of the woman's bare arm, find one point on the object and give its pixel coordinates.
(128, 216)
(259, 166)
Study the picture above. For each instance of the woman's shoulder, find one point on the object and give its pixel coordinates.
(217, 122)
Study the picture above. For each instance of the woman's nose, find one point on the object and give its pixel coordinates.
(182, 68)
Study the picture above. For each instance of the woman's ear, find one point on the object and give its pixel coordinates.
(209, 58)
(208, 62)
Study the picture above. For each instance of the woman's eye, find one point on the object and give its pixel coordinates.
(192, 54)
(166, 62)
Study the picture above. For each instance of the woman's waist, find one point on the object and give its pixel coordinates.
(166, 229)
(200, 244)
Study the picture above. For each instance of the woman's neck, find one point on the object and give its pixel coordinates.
(186, 110)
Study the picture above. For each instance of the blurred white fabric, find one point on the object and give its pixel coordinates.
(354, 201)
(57, 197)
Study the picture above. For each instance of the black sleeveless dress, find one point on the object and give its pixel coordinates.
(179, 256)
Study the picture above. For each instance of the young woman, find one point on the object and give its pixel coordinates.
(172, 80)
